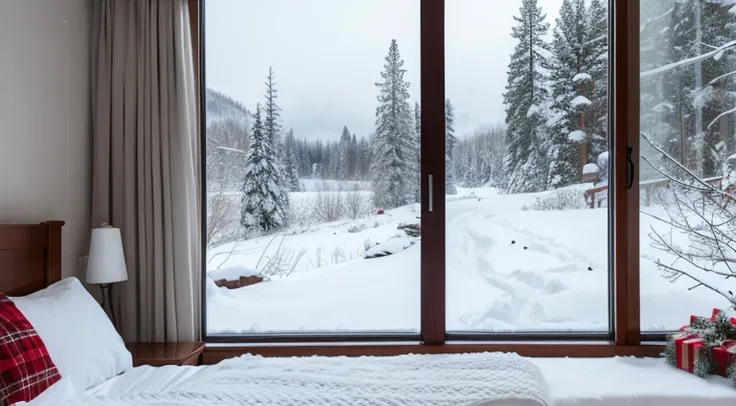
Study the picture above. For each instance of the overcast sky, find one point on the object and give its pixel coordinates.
(328, 54)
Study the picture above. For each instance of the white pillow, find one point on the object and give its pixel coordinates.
(60, 392)
(78, 334)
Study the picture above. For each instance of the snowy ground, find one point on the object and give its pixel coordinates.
(508, 269)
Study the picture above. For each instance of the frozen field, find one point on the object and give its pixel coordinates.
(508, 269)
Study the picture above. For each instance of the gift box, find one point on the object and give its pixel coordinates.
(687, 349)
(723, 356)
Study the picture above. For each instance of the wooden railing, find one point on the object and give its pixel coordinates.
(594, 197)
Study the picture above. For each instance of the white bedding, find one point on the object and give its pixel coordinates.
(471, 379)
(570, 381)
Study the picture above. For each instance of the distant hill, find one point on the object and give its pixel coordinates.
(221, 107)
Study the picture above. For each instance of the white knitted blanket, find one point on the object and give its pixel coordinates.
(458, 379)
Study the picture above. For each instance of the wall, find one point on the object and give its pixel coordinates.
(45, 128)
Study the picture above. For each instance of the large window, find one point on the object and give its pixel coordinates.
(458, 170)
(312, 166)
(688, 166)
(527, 166)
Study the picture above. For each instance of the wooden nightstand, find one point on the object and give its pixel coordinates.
(160, 354)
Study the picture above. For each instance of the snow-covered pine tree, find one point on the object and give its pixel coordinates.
(526, 161)
(393, 171)
(353, 158)
(450, 141)
(272, 124)
(265, 201)
(597, 50)
(417, 153)
(364, 159)
(568, 69)
(292, 173)
(343, 157)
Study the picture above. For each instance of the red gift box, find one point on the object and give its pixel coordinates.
(715, 314)
(724, 356)
(687, 349)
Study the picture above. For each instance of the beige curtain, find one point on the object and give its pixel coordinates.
(146, 163)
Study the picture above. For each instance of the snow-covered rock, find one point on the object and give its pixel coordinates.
(232, 273)
(235, 277)
(580, 101)
(576, 136)
(581, 77)
(394, 245)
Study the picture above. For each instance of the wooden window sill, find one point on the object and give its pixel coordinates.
(215, 353)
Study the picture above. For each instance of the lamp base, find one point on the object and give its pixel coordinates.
(107, 302)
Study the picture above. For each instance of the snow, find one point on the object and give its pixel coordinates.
(581, 77)
(590, 169)
(231, 273)
(580, 101)
(533, 109)
(559, 282)
(577, 136)
(732, 10)
(629, 381)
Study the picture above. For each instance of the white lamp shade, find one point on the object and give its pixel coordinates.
(106, 262)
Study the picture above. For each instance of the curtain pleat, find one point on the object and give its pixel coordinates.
(146, 163)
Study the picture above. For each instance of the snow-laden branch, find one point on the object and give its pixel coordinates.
(725, 113)
(653, 19)
(725, 75)
(688, 61)
(669, 157)
(239, 151)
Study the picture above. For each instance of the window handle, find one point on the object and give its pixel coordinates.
(431, 193)
(629, 168)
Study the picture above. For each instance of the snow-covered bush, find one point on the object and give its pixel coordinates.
(564, 199)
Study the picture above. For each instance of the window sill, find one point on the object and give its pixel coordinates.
(215, 353)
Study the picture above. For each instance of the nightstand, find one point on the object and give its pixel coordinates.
(160, 354)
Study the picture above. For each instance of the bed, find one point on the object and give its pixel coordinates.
(30, 258)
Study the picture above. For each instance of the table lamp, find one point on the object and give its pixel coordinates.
(106, 263)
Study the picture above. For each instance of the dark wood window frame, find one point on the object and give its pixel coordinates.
(624, 220)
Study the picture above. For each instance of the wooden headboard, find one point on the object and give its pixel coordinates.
(30, 256)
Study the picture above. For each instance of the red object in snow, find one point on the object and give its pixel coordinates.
(380, 211)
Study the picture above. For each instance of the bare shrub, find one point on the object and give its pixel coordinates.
(357, 203)
(338, 255)
(222, 224)
(561, 200)
(328, 206)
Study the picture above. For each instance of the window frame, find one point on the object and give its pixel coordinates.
(624, 336)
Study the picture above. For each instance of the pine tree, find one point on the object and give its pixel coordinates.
(450, 141)
(526, 160)
(343, 157)
(393, 171)
(292, 173)
(353, 158)
(597, 51)
(272, 125)
(265, 202)
(568, 71)
(417, 156)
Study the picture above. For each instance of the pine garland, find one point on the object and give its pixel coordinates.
(670, 352)
(731, 373)
(704, 366)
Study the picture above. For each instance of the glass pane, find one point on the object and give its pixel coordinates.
(312, 166)
(527, 173)
(687, 161)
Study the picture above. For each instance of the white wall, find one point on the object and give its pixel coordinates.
(45, 128)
